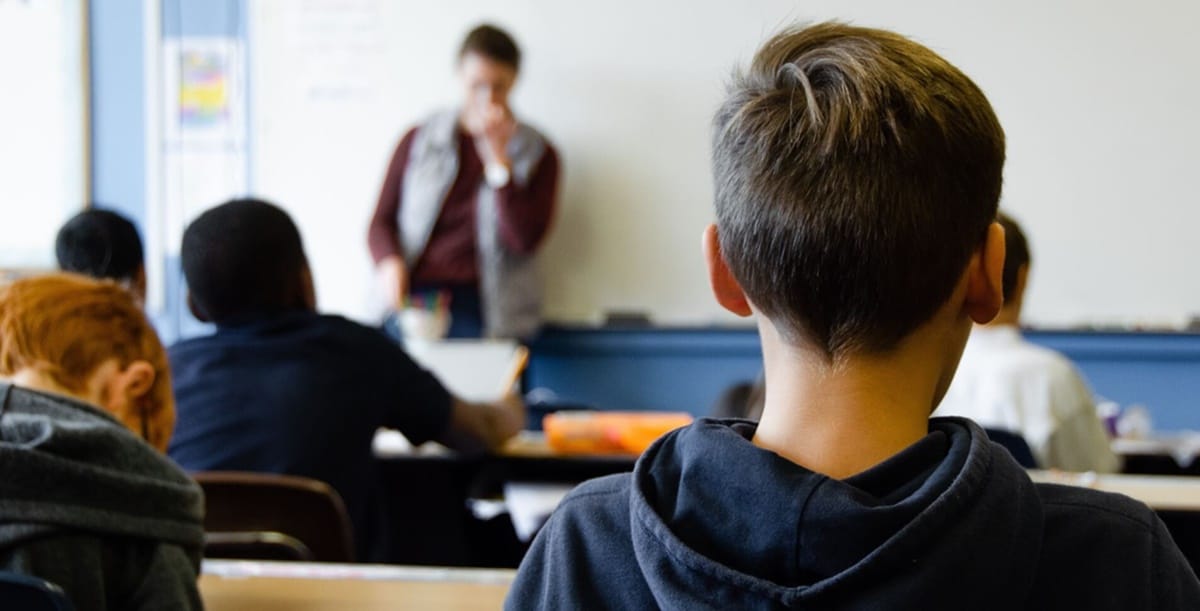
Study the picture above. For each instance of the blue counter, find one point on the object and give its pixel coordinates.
(686, 369)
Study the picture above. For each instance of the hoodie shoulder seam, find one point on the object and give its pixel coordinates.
(604, 486)
(588, 494)
(1144, 524)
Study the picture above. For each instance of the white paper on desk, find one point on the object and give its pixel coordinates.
(474, 370)
(530, 505)
(1185, 447)
(390, 443)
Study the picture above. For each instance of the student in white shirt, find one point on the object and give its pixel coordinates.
(1006, 382)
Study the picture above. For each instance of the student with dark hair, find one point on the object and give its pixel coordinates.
(244, 260)
(857, 175)
(467, 201)
(279, 388)
(103, 244)
(87, 499)
(1008, 383)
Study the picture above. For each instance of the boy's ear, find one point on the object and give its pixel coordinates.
(985, 280)
(724, 286)
(137, 379)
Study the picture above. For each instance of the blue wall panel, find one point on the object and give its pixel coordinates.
(687, 369)
(118, 155)
(643, 369)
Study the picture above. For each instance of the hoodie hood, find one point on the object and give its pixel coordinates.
(67, 465)
(717, 521)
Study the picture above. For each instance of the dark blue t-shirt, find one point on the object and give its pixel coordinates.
(300, 394)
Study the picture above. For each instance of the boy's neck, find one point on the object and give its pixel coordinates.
(842, 418)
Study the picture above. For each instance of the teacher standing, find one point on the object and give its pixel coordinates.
(467, 201)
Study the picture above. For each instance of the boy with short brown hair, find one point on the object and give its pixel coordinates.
(857, 178)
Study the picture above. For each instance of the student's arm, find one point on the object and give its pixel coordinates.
(476, 426)
(426, 411)
(1081, 444)
(526, 210)
(1079, 441)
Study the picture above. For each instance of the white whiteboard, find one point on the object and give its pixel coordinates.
(43, 173)
(1098, 101)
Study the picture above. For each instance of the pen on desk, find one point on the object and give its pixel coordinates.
(519, 363)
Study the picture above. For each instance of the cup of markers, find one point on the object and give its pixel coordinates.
(426, 317)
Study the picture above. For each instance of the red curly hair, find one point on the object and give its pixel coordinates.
(66, 326)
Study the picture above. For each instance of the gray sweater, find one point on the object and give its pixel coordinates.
(86, 504)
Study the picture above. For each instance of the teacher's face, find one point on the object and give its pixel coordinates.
(486, 83)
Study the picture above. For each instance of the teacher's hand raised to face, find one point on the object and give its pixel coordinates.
(495, 128)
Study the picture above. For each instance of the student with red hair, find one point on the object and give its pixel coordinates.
(87, 499)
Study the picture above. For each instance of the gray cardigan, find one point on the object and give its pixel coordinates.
(86, 504)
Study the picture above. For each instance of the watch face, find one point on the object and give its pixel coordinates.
(496, 174)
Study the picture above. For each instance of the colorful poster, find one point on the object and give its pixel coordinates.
(203, 92)
(203, 88)
(203, 157)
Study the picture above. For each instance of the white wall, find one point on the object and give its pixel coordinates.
(42, 129)
(1097, 100)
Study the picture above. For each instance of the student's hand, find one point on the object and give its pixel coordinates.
(486, 424)
(496, 127)
(511, 417)
(393, 277)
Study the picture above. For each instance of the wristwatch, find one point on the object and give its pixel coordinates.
(496, 174)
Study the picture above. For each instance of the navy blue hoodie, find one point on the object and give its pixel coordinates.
(707, 520)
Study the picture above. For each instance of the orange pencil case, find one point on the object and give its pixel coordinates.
(593, 432)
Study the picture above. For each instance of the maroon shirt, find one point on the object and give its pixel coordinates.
(450, 256)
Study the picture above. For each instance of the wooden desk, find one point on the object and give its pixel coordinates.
(1165, 454)
(440, 529)
(268, 586)
(528, 458)
(527, 444)
(1159, 492)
